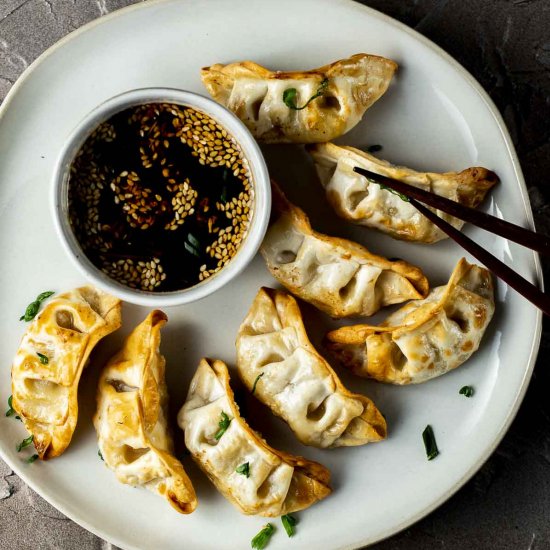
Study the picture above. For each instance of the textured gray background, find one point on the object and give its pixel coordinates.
(505, 44)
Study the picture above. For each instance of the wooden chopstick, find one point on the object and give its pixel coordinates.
(500, 269)
(510, 231)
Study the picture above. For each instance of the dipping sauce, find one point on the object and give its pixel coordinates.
(160, 197)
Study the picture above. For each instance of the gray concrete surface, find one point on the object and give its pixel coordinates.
(505, 44)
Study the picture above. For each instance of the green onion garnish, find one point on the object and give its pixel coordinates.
(223, 196)
(289, 523)
(429, 442)
(33, 307)
(25, 443)
(467, 391)
(193, 240)
(259, 542)
(256, 381)
(190, 249)
(289, 96)
(374, 148)
(11, 410)
(223, 424)
(390, 190)
(244, 469)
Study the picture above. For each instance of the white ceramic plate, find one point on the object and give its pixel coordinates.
(434, 117)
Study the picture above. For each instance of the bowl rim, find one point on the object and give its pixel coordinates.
(251, 152)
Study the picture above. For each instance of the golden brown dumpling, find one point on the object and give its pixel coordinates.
(45, 390)
(347, 89)
(360, 201)
(131, 418)
(340, 277)
(256, 478)
(424, 339)
(277, 360)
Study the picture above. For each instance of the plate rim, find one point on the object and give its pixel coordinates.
(533, 353)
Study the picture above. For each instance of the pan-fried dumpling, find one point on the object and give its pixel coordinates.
(343, 91)
(338, 276)
(356, 199)
(45, 386)
(424, 339)
(246, 470)
(131, 418)
(278, 363)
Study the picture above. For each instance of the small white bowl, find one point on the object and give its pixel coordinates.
(260, 180)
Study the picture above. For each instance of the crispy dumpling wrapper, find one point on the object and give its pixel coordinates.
(131, 418)
(255, 94)
(45, 392)
(275, 355)
(425, 338)
(277, 483)
(340, 277)
(357, 200)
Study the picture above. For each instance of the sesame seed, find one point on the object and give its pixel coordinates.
(145, 205)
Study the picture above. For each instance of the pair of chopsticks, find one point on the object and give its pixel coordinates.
(525, 237)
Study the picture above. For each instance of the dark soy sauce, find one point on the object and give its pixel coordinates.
(160, 197)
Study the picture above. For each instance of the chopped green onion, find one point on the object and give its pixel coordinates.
(429, 442)
(467, 391)
(25, 443)
(100, 455)
(33, 307)
(259, 542)
(256, 381)
(11, 410)
(43, 358)
(32, 458)
(289, 523)
(44, 295)
(223, 424)
(289, 96)
(193, 240)
(390, 190)
(191, 250)
(244, 469)
(374, 148)
(223, 196)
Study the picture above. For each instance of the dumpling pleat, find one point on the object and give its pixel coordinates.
(131, 418)
(45, 394)
(425, 338)
(347, 89)
(340, 277)
(297, 383)
(358, 200)
(277, 483)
